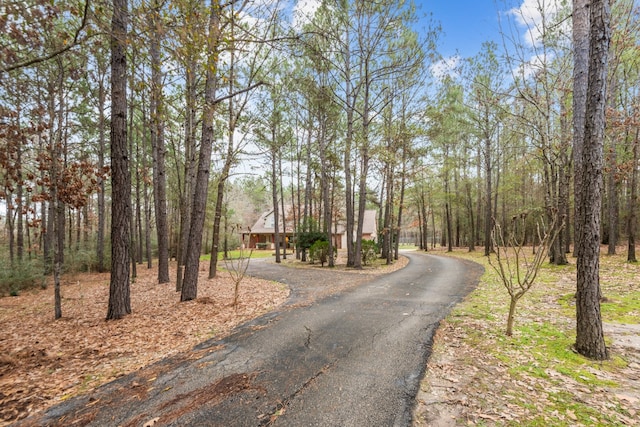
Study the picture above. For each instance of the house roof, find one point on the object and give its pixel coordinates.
(369, 225)
(262, 225)
(370, 222)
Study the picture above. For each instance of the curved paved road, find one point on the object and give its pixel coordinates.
(352, 359)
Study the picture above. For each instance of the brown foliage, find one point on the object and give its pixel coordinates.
(45, 361)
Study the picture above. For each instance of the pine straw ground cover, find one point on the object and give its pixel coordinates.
(44, 361)
(479, 376)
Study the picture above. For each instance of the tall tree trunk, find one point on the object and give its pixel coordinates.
(425, 219)
(57, 210)
(433, 226)
(139, 200)
(589, 333)
(564, 180)
(364, 168)
(158, 147)
(147, 220)
(308, 187)
(119, 289)
(131, 138)
(78, 227)
(472, 230)
(348, 144)
(217, 216)
(403, 180)
(326, 182)
(186, 199)
(580, 25)
(421, 220)
(295, 202)
(58, 244)
(224, 174)
(274, 192)
(102, 123)
(488, 218)
(198, 210)
(449, 228)
(633, 202)
(70, 227)
(86, 224)
(456, 215)
(612, 189)
(479, 193)
(284, 217)
(10, 227)
(28, 231)
(19, 203)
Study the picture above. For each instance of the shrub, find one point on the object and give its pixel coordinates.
(369, 251)
(81, 261)
(308, 239)
(319, 251)
(26, 274)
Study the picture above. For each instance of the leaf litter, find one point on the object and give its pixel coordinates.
(478, 376)
(44, 361)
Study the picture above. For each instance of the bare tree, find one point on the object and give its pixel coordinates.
(237, 268)
(516, 268)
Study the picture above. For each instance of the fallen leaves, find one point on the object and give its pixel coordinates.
(476, 376)
(43, 361)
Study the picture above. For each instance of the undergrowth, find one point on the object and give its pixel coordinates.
(21, 275)
(539, 358)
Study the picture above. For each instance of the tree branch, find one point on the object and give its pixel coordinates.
(53, 54)
(231, 95)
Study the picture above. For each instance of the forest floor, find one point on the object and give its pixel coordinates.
(478, 376)
(44, 362)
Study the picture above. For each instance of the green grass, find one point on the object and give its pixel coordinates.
(235, 254)
(539, 358)
(550, 349)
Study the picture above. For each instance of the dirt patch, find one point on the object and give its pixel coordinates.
(210, 394)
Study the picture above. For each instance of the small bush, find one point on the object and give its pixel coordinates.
(23, 275)
(81, 261)
(307, 239)
(369, 251)
(319, 251)
(261, 246)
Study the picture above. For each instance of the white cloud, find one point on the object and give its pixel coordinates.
(446, 67)
(533, 15)
(303, 12)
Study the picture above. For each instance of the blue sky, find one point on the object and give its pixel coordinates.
(466, 24)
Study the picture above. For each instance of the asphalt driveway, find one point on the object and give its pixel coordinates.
(350, 359)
